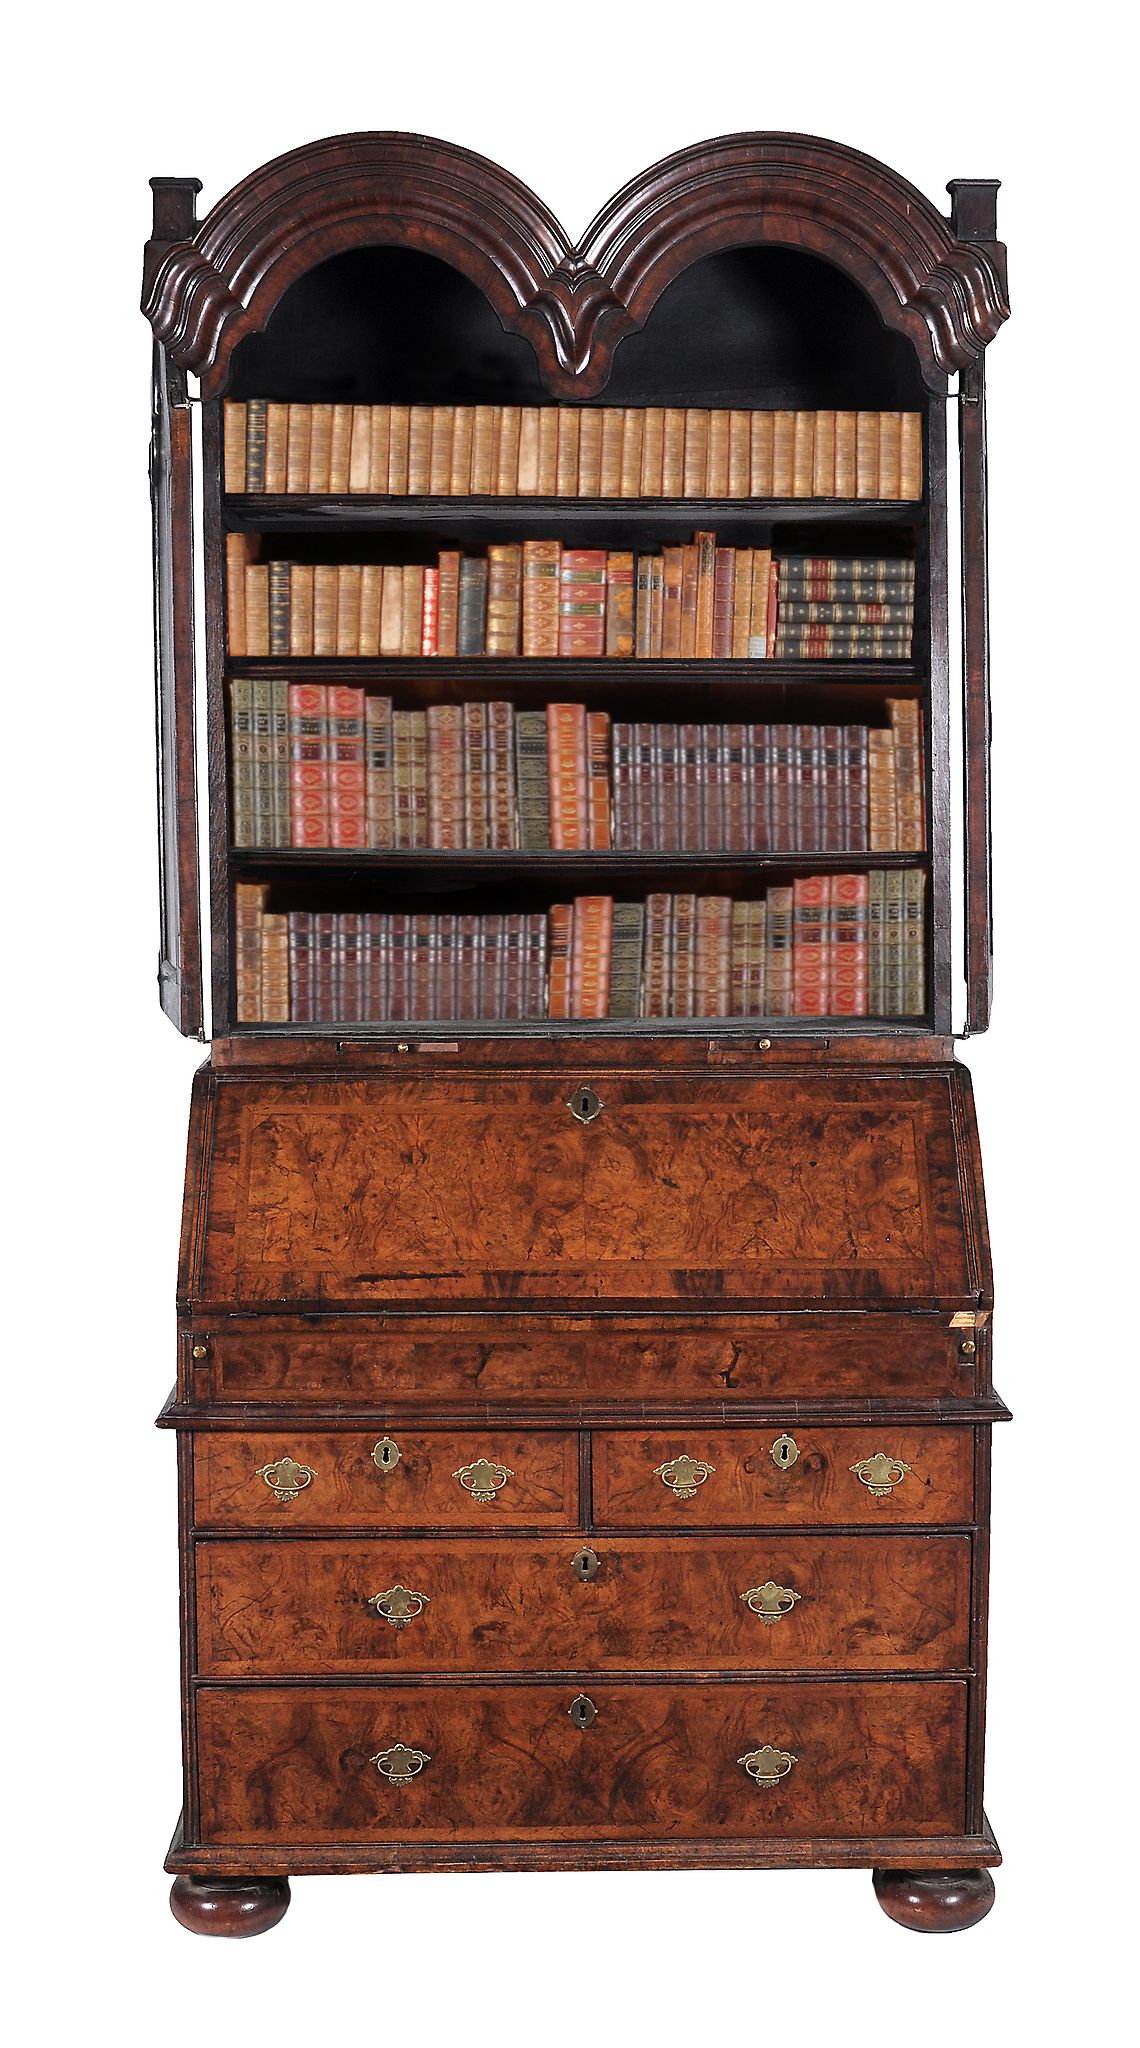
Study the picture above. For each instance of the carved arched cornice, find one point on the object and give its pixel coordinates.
(573, 302)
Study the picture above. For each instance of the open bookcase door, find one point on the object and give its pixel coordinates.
(172, 501)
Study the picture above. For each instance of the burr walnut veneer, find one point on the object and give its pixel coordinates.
(579, 1479)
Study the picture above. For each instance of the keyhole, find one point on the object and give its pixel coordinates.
(785, 1451)
(386, 1455)
(585, 1563)
(585, 1105)
(583, 1711)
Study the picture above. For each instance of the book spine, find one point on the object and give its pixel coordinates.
(472, 616)
(673, 453)
(619, 605)
(348, 808)
(308, 764)
(429, 633)
(759, 808)
(469, 944)
(507, 454)
(447, 630)
(890, 455)
(866, 455)
(739, 454)
(419, 450)
(848, 964)
(910, 455)
(666, 765)
(823, 473)
(590, 452)
(590, 956)
(234, 434)
(762, 455)
(724, 587)
(855, 788)
(504, 598)
(779, 993)
(705, 595)
(274, 968)
(598, 769)
(439, 458)
(713, 963)
(257, 609)
(243, 820)
(475, 776)
(541, 560)
(566, 467)
(910, 821)
(348, 585)
(297, 452)
(462, 436)
(276, 448)
(626, 950)
(632, 445)
(559, 945)
(696, 458)
(378, 781)
(548, 451)
(913, 947)
(652, 452)
(514, 966)
(567, 769)
(783, 454)
(445, 775)
(782, 768)
(350, 981)
(255, 427)
(736, 773)
(624, 814)
(533, 781)
(644, 775)
(371, 586)
(412, 610)
(881, 796)
(502, 799)
(582, 603)
(803, 454)
(379, 446)
(683, 968)
(446, 964)
(482, 435)
(237, 561)
(845, 445)
(302, 968)
(741, 604)
(527, 479)
(807, 786)
(810, 948)
(391, 608)
(360, 449)
(832, 783)
(324, 608)
(657, 980)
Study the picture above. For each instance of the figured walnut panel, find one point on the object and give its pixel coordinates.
(348, 1489)
(866, 1603)
(746, 1485)
(292, 1766)
(558, 1359)
(792, 1187)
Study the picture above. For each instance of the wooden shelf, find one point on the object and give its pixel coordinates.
(260, 513)
(425, 1029)
(520, 860)
(516, 673)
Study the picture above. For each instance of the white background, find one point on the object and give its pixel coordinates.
(574, 101)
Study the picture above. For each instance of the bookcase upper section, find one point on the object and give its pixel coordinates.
(940, 283)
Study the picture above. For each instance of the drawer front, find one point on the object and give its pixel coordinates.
(559, 1359)
(410, 1479)
(738, 1603)
(875, 1474)
(311, 1764)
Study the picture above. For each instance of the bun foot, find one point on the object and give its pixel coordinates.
(233, 1906)
(934, 1901)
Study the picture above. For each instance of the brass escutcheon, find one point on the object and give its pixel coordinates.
(683, 1475)
(400, 1764)
(582, 1711)
(879, 1473)
(385, 1455)
(784, 1452)
(585, 1564)
(767, 1766)
(285, 1477)
(399, 1605)
(584, 1105)
(770, 1601)
(483, 1479)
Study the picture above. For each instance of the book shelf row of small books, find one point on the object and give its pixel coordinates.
(275, 449)
(318, 765)
(843, 945)
(539, 599)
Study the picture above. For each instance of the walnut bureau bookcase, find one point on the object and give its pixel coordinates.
(583, 1418)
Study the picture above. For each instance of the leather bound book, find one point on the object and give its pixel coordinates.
(845, 440)
(590, 452)
(627, 946)
(280, 578)
(910, 455)
(823, 473)
(831, 777)
(782, 772)
(609, 471)
(739, 454)
(348, 582)
(783, 454)
(402, 800)
(739, 959)
(758, 642)
(892, 962)
(848, 961)
(568, 777)
(724, 586)
(527, 477)
(673, 453)
(371, 590)
(672, 580)
(644, 778)
(422, 964)
(534, 985)
(360, 449)
(244, 821)
(261, 765)
(274, 968)
(652, 451)
(297, 449)
(619, 605)
(912, 995)
(759, 750)
(374, 968)
(419, 450)
(324, 608)
(446, 964)
(302, 968)
(462, 435)
(716, 466)
(655, 594)
(882, 826)
(348, 807)
(234, 429)
(690, 788)
(803, 455)
(541, 562)
(590, 956)
(308, 764)
(496, 437)
(472, 618)
(855, 820)
(447, 626)
(391, 608)
(326, 966)
(763, 455)
(446, 807)
(811, 950)
(533, 777)
(736, 768)
(741, 604)
(890, 455)
(482, 481)
(696, 451)
(501, 796)
(867, 455)
(256, 609)
(582, 602)
(255, 421)
(491, 965)
(238, 554)
(548, 451)
(320, 451)
(906, 723)
(469, 947)
(279, 734)
(779, 995)
(504, 598)
(378, 776)
(507, 453)
(773, 607)
(863, 579)
(684, 958)
(475, 777)
(756, 998)
(566, 469)
(705, 544)
(713, 772)
(350, 988)
(399, 965)
(598, 780)
(439, 460)
(666, 747)
(624, 809)
(632, 441)
(560, 945)
(643, 607)
(276, 449)
(808, 790)
(340, 448)
(876, 943)
(379, 446)
(844, 643)
(656, 981)
(514, 939)
(419, 777)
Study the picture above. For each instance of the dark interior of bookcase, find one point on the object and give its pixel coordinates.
(748, 327)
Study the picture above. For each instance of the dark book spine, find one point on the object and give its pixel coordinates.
(255, 445)
(626, 947)
(472, 622)
(279, 577)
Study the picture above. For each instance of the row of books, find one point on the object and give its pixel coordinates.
(826, 945)
(540, 599)
(609, 451)
(318, 765)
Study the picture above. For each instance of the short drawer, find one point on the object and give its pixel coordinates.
(412, 1479)
(480, 1763)
(735, 1477)
(681, 1603)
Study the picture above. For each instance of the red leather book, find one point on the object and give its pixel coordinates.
(514, 966)
(713, 777)
(807, 787)
(736, 770)
(724, 591)
(308, 764)
(779, 994)
(645, 817)
(447, 615)
(502, 795)
(568, 777)
(429, 637)
(810, 948)
(422, 965)
(598, 776)
(491, 967)
(348, 801)
(668, 788)
(326, 947)
(624, 818)
(469, 948)
(582, 603)
(475, 776)
(374, 968)
(541, 561)
(590, 956)
(446, 964)
(690, 788)
(713, 966)
(759, 827)
(831, 778)
(560, 943)
(848, 949)
(683, 967)
(399, 965)
(657, 978)
(350, 988)
(446, 820)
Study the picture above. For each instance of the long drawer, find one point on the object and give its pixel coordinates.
(423, 1479)
(874, 1474)
(311, 1764)
(738, 1603)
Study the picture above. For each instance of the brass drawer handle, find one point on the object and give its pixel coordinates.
(770, 1601)
(385, 1455)
(400, 1764)
(879, 1473)
(285, 1477)
(683, 1475)
(483, 1479)
(399, 1605)
(767, 1766)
